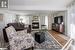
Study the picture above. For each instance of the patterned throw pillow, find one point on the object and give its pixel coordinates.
(11, 32)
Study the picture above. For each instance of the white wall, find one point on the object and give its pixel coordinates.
(42, 21)
(71, 23)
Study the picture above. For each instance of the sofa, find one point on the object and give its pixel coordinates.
(18, 27)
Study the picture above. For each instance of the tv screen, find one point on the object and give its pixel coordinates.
(58, 19)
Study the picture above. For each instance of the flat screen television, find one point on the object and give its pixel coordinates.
(58, 19)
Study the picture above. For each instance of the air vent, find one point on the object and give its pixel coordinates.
(3, 3)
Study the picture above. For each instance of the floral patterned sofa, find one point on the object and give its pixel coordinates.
(19, 40)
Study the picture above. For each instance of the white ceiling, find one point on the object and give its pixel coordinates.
(39, 4)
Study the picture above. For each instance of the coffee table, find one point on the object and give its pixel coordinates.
(40, 37)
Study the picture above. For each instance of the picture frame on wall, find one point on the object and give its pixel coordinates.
(3, 3)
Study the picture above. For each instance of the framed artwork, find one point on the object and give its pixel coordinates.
(3, 3)
(1, 17)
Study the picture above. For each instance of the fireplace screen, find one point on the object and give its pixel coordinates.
(35, 25)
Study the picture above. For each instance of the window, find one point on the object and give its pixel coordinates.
(46, 21)
(24, 19)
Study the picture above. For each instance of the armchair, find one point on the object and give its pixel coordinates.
(19, 40)
(18, 27)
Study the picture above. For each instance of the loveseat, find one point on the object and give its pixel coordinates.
(18, 27)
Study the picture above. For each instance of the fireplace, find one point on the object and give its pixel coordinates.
(35, 25)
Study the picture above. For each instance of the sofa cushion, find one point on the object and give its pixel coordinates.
(17, 26)
(10, 32)
(23, 32)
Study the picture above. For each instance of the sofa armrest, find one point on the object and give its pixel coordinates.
(5, 35)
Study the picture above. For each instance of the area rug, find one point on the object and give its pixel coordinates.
(49, 43)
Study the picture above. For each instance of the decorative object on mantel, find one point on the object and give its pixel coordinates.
(35, 17)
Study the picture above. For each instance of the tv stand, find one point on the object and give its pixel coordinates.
(58, 27)
(55, 26)
(58, 24)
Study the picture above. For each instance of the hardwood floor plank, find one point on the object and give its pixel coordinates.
(60, 39)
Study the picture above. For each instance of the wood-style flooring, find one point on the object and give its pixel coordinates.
(62, 39)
